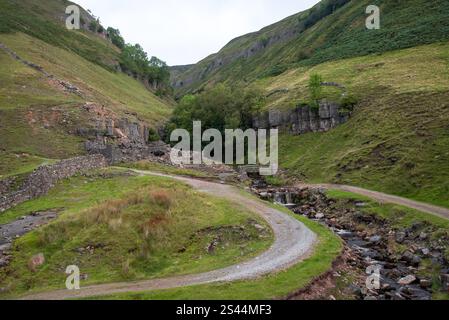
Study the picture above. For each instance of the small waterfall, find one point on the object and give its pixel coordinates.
(288, 197)
(279, 197)
(289, 203)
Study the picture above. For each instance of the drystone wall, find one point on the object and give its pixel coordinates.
(45, 177)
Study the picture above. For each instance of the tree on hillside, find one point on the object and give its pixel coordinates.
(315, 89)
(116, 37)
(219, 108)
(158, 70)
(95, 26)
(134, 59)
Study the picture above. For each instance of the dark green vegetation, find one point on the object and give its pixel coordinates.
(116, 38)
(218, 108)
(274, 286)
(315, 89)
(135, 60)
(329, 31)
(397, 140)
(119, 227)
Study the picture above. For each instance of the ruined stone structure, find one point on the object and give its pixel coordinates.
(303, 119)
(45, 177)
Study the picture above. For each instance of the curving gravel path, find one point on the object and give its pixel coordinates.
(387, 198)
(293, 243)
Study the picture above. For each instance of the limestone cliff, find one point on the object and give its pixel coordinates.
(303, 119)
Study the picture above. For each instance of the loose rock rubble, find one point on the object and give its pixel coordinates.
(402, 256)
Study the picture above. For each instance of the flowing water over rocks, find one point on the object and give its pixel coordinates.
(409, 262)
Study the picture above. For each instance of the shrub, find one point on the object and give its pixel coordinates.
(315, 89)
(116, 37)
(94, 25)
(274, 71)
(153, 135)
(347, 103)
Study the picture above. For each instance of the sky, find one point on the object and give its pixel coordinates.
(184, 32)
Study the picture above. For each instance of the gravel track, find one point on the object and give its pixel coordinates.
(293, 243)
(387, 198)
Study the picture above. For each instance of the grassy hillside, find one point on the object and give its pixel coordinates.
(320, 35)
(38, 118)
(398, 138)
(45, 20)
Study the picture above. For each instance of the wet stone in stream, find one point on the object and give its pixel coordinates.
(373, 241)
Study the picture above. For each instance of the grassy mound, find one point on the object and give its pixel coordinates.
(274, 286)
(118, 227)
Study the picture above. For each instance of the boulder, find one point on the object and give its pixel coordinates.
(425, 283)
(407, 280)
(411, 258)
(375, 239)
(400, 237)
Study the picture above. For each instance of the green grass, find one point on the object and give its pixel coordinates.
(161, 168)
(40, 119)
(337, 36)
(18, 164)
(41, 20)
(37, 116)
(396, 141)
(276, 181)
(398, 216)
(117, 91)
(269, 287)
(142, 227)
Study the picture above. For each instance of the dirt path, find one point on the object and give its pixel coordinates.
(386, 198)
(293, 243)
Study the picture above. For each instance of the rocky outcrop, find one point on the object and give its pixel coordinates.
(303, 119)
(45, 177)
(123, 141)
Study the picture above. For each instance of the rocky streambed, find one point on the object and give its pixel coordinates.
(11, 231)
(387, 260)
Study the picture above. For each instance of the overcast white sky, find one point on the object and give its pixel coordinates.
(184, 32)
